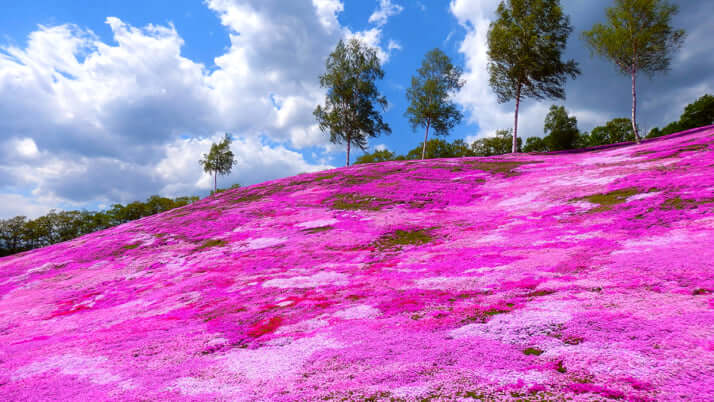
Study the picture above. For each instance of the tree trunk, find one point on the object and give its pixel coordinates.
(215, 182)
(348, 149)
(426, 134)
(634, 105)
(515, 121)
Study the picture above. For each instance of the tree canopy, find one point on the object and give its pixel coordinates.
(525, 45)
(638, 37)
(349, 113)
(561, 129)
(219, 160)
(429, 95)
(697, 114)
(614, 131)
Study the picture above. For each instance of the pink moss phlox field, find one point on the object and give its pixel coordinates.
(583, 275)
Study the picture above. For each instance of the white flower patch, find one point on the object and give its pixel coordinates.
(198, 386)
(269, 363)
(84, 367)
(410, 391)
(643, 196)
(303, 326)
(519, 326)
(358, 312)
(317, 223)
(319, 279)
(525, 199)
(450, 283)
(653, 242)
(263, 242)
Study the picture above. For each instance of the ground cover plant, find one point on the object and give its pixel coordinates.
(580, 276)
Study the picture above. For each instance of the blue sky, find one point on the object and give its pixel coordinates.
(113, 101)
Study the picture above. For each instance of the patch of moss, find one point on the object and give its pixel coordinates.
(131, 246)
(540, 293)
(317, 229)
(561, 368)
(211, 243)
(506, 168)
(679, 203)
(532, 352)
(356, 202)
(402, 238)
(495, 311)
(314, 179)
(607, 200)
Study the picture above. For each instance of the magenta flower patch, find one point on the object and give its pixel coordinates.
(546, 276)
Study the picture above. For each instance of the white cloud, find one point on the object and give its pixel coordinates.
(385, 10)
(476, 96)
(107, 122)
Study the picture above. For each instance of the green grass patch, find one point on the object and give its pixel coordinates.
(608, 200)
(540, 293)
(317, 229)
(506, 168)
(678, 203)
(402, 238)
(356, 202)
(561, 368)
(532, 352)
(211, 243)
(131, 246)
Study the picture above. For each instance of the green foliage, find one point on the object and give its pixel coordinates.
(498, 145)
(402, 238)
(221, 190)
(428, 96)
(697, 114)
(532, 352)
(535, 144)
(219, 160)
(637, 36)
(525, 45)
(614, 131)
(561, 130)
(436, 148)
(349, 113)
(377, 156)
(20, 234)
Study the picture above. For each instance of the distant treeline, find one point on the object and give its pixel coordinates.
(21, 234)
(561, 133)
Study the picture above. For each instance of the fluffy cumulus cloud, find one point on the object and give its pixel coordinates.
(84, 121)
(599, 93)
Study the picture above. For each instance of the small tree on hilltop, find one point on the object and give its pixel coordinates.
(637, 37)
(349, 114)
(219, 160)
(429, 103)
(561, 130)
(525, 45)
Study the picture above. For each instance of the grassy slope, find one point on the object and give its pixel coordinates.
(583, 275)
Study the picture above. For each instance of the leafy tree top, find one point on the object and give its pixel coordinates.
(431, 88)
(525, 46)
(349, 113)
(637, 35)
(220, 159)
(561, 129)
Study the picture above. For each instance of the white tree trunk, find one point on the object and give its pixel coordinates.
(515, 121)
(634, 105)
(426, 134)
(348, 149)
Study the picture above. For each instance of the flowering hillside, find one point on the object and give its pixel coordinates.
(537, 276)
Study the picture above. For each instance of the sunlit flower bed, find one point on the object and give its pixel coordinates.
(538, 276)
